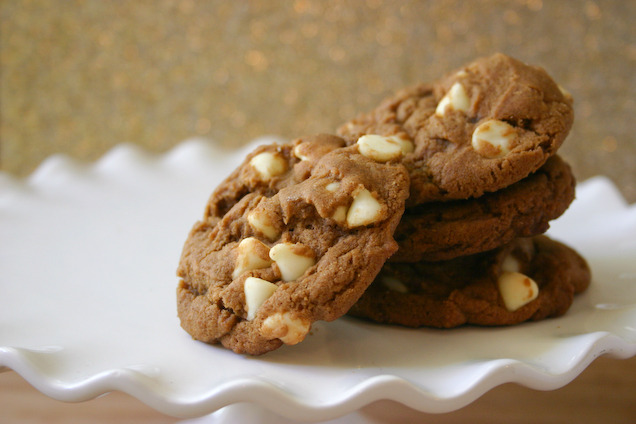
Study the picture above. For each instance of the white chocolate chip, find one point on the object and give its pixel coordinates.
(517, 290)
(282, 325)
(455, 99)
(393, 284)
(332, 187)
(256, 292)
(251, 254)
(493, 138)
(380, 148)
(269, 165)
(405, 144)
(565, 92)
(261, 223)
(365, 209)
(298, 152)
(340, 215)
(510, 264)
(292, 259)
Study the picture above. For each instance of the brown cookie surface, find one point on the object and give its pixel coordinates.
(474, 131)
(439, 231)
(528, 279)
(270, 168)
(273, 264)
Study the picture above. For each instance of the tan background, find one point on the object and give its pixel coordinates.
(78, 77)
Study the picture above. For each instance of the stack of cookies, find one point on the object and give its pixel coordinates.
(426, 211)
(485, 182)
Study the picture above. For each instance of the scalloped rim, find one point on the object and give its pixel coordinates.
(273, 398)
(192, 155)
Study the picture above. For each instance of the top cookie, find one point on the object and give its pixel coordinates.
(272, 265)
(477, 130)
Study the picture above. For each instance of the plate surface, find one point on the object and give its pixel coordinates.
(87, 280)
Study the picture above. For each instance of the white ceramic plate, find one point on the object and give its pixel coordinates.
(87, 290)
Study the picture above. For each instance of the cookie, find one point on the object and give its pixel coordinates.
(269, 168)
(528, 279)
(439, 231)
(274, 263)
(477, 130)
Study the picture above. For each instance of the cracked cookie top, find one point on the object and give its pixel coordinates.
(268, 168)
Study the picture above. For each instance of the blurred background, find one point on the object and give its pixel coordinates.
(80, 76)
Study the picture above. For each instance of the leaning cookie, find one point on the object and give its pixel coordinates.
(272, 265)
(438, 231)
(529, 279)
(478, 130)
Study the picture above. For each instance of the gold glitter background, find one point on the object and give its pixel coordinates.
(78, 77)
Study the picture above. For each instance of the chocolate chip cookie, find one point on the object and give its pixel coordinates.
(528, 279)
(477, 130)
(280, 259)
(439, 231)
